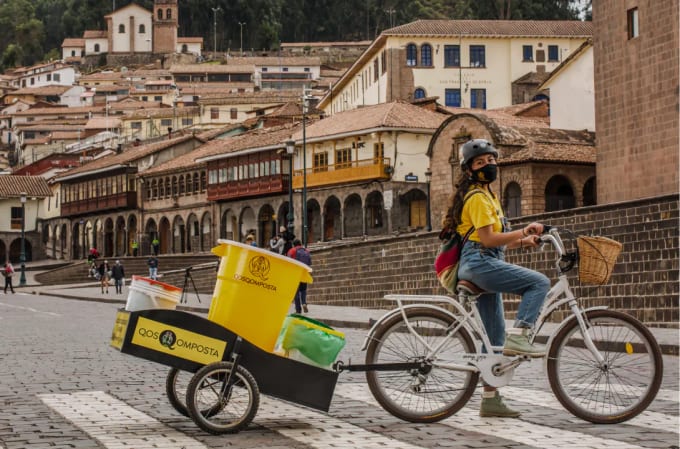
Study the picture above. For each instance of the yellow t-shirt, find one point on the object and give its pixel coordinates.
(480, 209)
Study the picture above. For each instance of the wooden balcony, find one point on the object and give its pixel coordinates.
(265, 185)
(123, 200)
(361, 170)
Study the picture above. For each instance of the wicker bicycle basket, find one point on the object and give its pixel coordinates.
(597, 256)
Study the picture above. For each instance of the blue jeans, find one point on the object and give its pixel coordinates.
(153, 273)
(300, 297)
(486, 268)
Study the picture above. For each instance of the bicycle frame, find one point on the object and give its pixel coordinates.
(558, 295)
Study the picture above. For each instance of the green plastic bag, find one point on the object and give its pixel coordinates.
(315, 340)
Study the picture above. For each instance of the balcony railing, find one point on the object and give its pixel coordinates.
(123, 200)
(361, 170)
(265, 185)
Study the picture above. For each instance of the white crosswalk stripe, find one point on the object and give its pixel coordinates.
(664, 395)
(115, 424)
(509, 429)
(647, 419)
(319, 430)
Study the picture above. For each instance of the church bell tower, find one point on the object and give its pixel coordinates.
(165, 24)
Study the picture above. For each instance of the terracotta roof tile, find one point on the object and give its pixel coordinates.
(212, 68)
(103, 123)
(251, 140)
(397, 114)
(73, 42)
(129, 155)
(190, 40)
(44, 90)
(61, 111)
(276, 61)
(12, 186)
(94, 34)
(534, 28)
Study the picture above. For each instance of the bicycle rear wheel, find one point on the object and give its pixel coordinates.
(617, 390)
(218, 408)
(430, 393)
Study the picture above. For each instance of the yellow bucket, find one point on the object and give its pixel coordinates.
(253, 291)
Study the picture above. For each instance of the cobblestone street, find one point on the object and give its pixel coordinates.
(63, 386)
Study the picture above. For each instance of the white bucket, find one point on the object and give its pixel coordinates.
(145, 293)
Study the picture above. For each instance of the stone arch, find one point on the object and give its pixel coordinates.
(229, 225)
(193, 233)
(314, 225)
(179, 233)
(415, 202)
(266, 225)
(559, 194)
(512, 200)
(108, 249)
(164, 236)
(282, 215)
(207, 239)
(76, 250)
(590, 192)
(121, 247)
(3, 251)
(375, 218)
(332, 219)
(353, 216)
(15, 251)
(63, 240)
(247, 223)
(133, 234)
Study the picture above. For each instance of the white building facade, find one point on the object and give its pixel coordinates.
(465, 63)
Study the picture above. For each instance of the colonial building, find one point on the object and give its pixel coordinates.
(133, 30)
(20, 200)
(465, 63)
(542, 169)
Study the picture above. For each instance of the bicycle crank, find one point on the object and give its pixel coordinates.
(498, 370)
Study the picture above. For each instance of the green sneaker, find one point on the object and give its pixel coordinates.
(495, 408)
(519, 345)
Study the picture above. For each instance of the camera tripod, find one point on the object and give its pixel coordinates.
(188, 278)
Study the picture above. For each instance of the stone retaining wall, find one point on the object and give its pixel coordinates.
(644, 282)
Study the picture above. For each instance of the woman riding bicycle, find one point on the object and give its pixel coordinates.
(482, 260)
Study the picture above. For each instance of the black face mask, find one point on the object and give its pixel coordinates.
(485, 175)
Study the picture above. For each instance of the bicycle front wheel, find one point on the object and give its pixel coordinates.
(619, 388)
(429, 393)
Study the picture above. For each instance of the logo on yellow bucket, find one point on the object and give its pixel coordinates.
(259, 267)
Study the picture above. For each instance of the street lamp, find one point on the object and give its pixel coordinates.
(290, 149)
(215, 11)
(241, 49)
(305, 109)
(428, 178)
(22, 256)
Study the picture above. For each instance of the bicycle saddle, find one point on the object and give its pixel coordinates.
(468, 287)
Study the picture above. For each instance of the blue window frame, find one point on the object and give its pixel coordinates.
(419, 93)
(478, 98)
(553, 53)
(451, 56)
(527, 53)
(411, 55)
(426, 55)
(477, 56)
(452, 97)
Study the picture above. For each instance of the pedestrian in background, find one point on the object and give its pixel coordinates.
(276, 244)
(118, 275)
(135, 247)
(8, 272)
(301, 254)
(153, 267)
(155, 243)
(104, 275)
(288, 237)
(250, 240)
